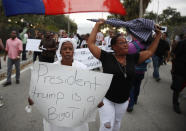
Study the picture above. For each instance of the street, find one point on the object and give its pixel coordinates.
(153, 111)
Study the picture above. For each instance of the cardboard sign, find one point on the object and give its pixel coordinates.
(67, 96)
(33, 45)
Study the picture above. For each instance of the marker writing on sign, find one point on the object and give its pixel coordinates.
(53, 114)
(70, 80)
(44, 95)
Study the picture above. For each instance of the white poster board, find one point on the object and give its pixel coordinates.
(67, 96)
(33, 45)
(85, 56)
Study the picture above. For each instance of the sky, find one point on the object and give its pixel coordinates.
(85, 26)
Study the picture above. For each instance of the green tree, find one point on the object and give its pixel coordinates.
(150, 15)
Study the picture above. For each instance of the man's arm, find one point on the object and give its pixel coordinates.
(23, 32)
(20, 46)
(1, 45)
(5, 55)
(6, 51)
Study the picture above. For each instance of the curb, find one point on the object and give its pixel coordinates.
(23, 64)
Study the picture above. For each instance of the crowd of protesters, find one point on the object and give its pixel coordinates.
(128, 62)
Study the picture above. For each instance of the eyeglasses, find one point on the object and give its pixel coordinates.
(123, 42)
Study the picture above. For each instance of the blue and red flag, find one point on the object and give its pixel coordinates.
(54, 7)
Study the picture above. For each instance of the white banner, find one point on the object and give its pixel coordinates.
(33, 45)
(67, 96)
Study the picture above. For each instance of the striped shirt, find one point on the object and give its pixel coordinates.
(140, 28)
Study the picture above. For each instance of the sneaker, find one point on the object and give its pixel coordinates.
(17, 82)
(1, 103)
(177, 109)
(6, 84)
(158, 79)
(129, 109)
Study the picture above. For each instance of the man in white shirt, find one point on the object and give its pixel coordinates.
(99, 38)
(108, 38)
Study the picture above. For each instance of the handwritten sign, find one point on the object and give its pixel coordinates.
(67, 96)
(85, 56)
(33, 45)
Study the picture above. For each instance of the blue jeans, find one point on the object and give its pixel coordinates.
(10, 64)
(156, 64)
(135, 90)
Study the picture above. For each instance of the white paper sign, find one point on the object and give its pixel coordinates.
(33, 45)
(67, 96)
(85, 56)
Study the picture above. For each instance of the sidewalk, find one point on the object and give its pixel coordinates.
(3, 70)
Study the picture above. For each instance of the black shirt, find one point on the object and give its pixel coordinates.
(162, 49)
(120, 86)
(179, 63)
(48, 43)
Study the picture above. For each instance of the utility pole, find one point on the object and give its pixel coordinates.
(68, 18)
(141, 9)
(157, 21)
(68, 25)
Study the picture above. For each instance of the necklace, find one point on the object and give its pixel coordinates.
(120, 68)
(124, 73)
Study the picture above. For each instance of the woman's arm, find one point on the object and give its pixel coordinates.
(151, 49)
(30, 101)
(96, 51)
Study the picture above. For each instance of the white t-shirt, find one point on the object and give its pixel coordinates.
(83, 44)
(51, 127)
(99, 38)
(108, 41)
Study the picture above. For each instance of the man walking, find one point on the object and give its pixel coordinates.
(13, 48)
(160, 56)
(178, 73)
(48, 47)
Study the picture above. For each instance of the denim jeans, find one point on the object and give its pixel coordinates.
(10, 64)
(135, 90)
(156, 64)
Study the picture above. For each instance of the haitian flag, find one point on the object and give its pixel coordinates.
(54, 7)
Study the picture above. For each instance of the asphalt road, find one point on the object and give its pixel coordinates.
(152, 113)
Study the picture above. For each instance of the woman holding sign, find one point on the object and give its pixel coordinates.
(122, 66)
(65, 53)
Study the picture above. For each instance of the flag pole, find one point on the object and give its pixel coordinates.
(68, 18)
(141, 9)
